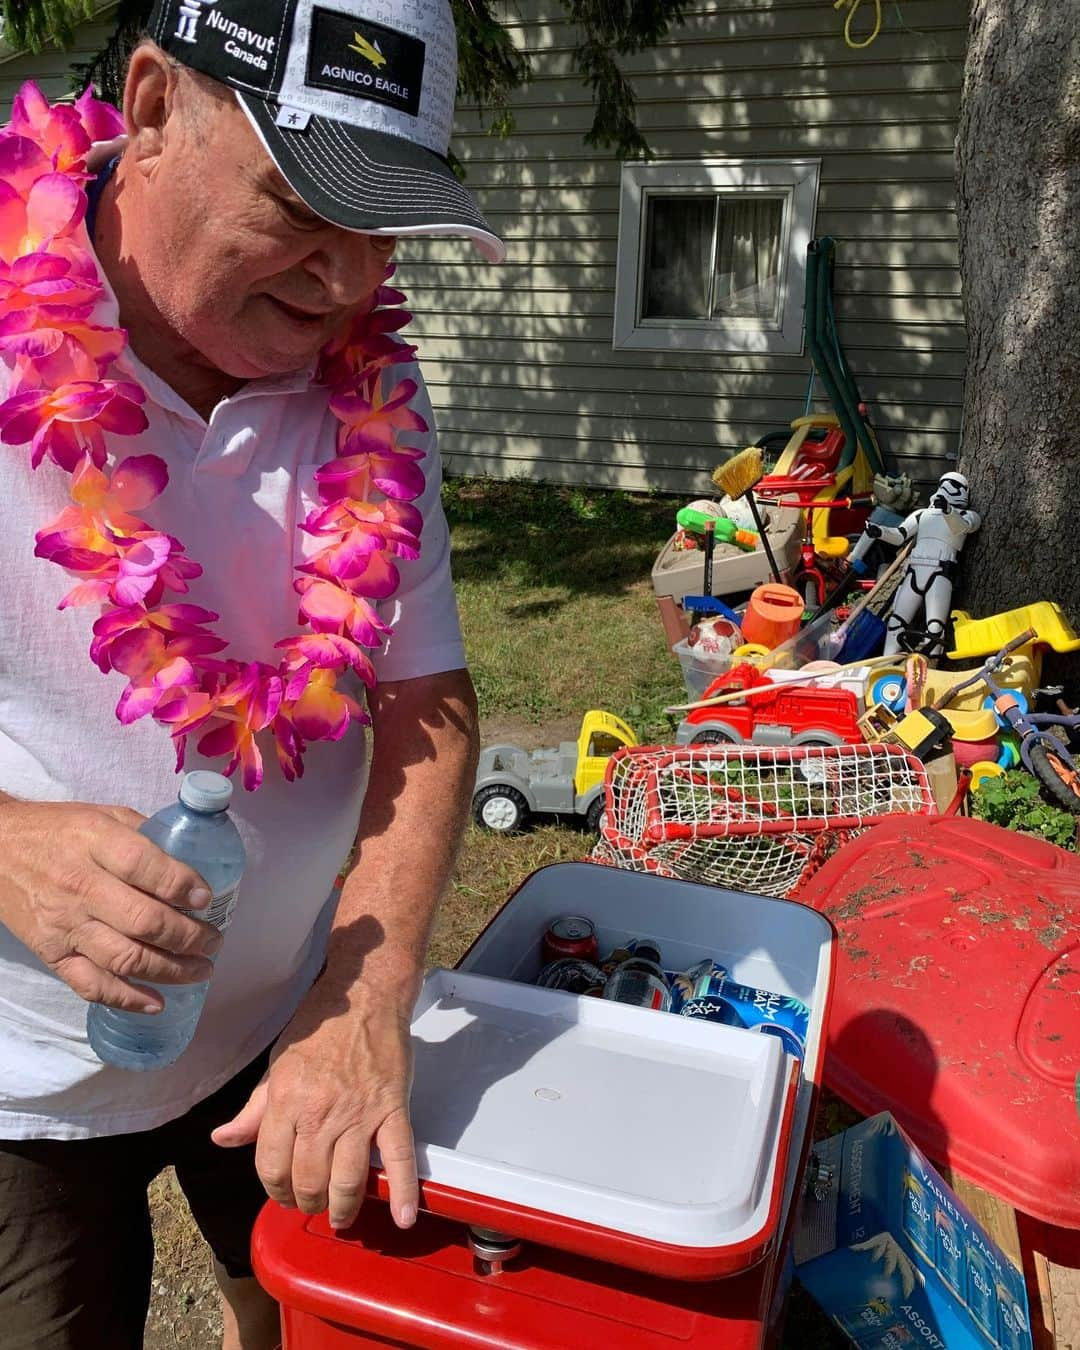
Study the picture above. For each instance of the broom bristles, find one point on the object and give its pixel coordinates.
(741, 472)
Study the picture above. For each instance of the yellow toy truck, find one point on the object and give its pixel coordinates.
(512, 784)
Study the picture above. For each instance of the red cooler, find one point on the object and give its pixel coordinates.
(591, 1173)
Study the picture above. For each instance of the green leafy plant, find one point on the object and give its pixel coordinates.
(1015, 801)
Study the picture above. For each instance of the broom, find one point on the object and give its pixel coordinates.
(738, 478)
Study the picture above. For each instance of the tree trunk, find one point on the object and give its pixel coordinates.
(1018, 190)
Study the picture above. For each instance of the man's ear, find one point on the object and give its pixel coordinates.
(149, 100)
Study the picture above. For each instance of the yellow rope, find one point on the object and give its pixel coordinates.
(853, 8)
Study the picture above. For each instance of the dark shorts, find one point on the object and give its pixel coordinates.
(76, 1251)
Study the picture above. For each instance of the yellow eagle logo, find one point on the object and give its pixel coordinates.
(369, 51)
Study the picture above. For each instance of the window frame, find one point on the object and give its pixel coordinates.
(796, 181)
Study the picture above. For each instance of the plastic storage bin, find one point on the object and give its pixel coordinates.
(609, 1138)
(698, 672)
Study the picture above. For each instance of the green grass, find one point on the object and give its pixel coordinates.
(555, 600)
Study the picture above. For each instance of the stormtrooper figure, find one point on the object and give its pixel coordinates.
(939, 531)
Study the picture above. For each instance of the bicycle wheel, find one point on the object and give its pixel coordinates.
(1058, 774)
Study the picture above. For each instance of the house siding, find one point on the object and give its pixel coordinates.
(519, 357)
(51, 69)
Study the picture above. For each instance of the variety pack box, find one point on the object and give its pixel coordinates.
(892, 1255)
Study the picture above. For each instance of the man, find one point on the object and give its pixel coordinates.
(273, 153)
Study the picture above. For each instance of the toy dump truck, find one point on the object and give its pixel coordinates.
(512, 784)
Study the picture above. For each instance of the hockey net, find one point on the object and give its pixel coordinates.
(751, 818)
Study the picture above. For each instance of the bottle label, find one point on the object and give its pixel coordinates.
(219, 912)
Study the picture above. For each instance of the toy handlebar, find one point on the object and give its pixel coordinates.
(837, 503)
(991, 663)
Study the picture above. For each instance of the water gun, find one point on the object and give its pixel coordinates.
(727, 532)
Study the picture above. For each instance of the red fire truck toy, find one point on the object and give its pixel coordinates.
(780, 715)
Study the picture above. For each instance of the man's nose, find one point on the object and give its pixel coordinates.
(351, 265)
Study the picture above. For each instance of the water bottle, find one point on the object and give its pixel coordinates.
(197, 830)
(641, 983)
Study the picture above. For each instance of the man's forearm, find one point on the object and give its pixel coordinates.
(417, 802)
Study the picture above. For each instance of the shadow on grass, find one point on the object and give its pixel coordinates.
(578, 540)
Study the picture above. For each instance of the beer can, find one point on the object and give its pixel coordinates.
(982, 1296)
(712, 1009)
(706, 979)
(572, 974)
(571, 935)
(772, 1014)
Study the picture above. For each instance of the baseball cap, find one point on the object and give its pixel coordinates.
(353, 100)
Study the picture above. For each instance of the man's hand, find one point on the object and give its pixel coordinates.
(96, 901)
(341, 1073)
(339, 1081)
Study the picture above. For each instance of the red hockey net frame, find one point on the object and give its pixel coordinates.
(751, 818)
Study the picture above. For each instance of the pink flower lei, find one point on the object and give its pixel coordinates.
(62, 404)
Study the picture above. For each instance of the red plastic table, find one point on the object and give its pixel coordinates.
(957, 1005)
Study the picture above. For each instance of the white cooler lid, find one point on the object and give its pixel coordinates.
(628, 1119)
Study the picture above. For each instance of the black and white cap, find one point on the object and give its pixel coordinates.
(354, 100)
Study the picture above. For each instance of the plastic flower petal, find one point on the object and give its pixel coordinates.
(137, 480)
(246, 705)
(367, 344)
(391, 470)
(361, 570)
(53, 207)
(330, 609)
(139, 566)
(155, 673)
(22, 163)
(181, 627)
(59, 130)
(322, 712)
(289, 748)
(68, 422)
(390, 525)
(101, 121)
(325, 651)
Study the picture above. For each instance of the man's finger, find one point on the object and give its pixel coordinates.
(134, 859)
(394, 1138)
(142, 917)
(274, 1156)
(244, 1126)
(124, 815)
(98, 986)
(312, 1156)
(348, 1177)
(131, 960)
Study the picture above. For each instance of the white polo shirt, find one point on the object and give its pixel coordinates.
(238, 486)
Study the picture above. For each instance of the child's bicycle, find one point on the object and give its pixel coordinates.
(821, 555)
(1042, 752)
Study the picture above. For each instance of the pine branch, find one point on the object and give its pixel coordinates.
(622, 27)
(490, 67)
(614, 123)
(35, 24)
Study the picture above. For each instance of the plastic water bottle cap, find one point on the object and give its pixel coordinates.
(204, 790)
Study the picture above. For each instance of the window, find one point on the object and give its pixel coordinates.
(712, 255)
